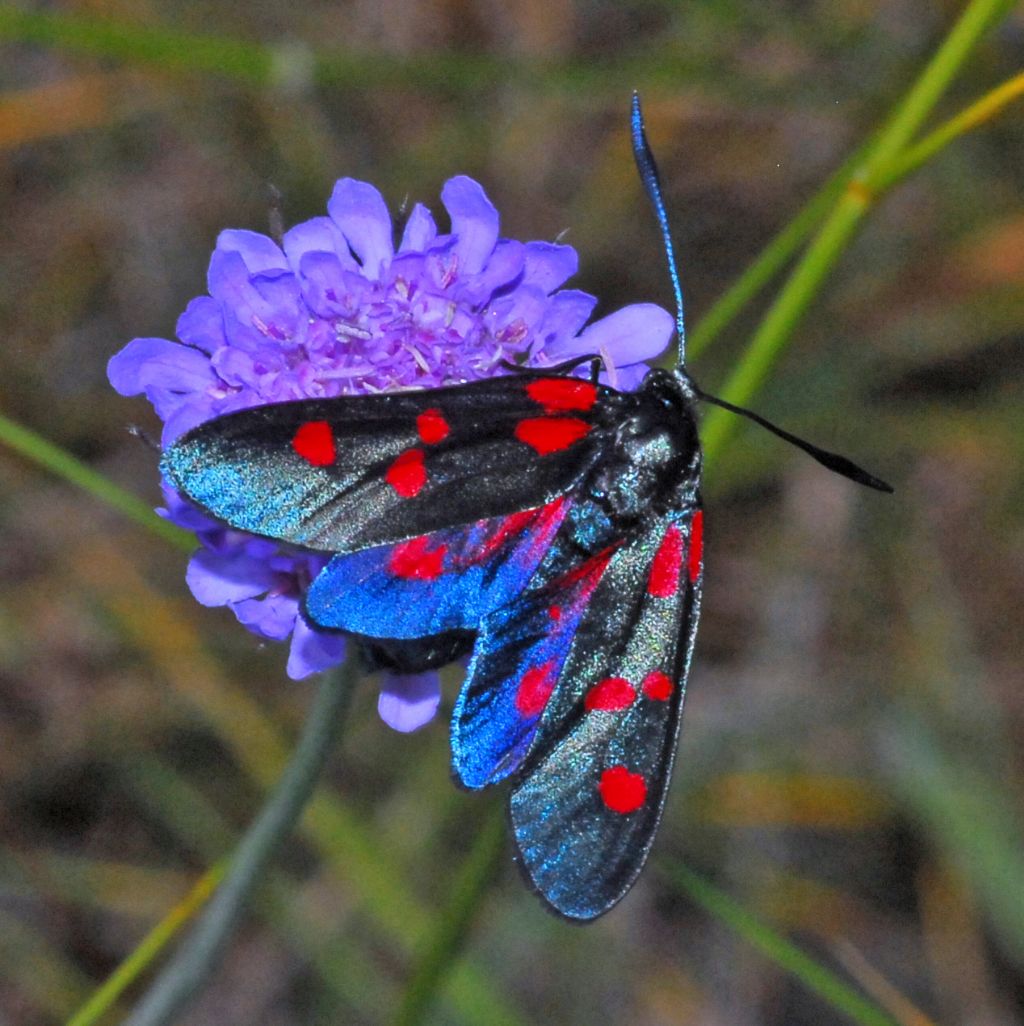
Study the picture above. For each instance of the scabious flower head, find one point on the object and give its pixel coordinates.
(336, 309)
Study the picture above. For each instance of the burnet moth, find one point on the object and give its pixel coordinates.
(547, 526)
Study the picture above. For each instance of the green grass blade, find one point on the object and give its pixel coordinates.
(148, 950)
(816, 977)
(255, 63)
(974, 116)
(162, 46)
(61, 463)
(453, 923)
(200, 953)
(976, 824)
(777, 328)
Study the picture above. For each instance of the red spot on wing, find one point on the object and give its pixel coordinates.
(555, 612)
(432, 427)
(416, 560)
(314, 442)
(535, 689)
(590, 571)
(664, 579)
(658, 685)
(535, 526)
(613, 694)
(696, 553)
(550, 434)
(621, 790)
(407, 475)
(508, 527)
(557, 394)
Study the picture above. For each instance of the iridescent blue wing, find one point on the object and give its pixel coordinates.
(594, 782)
(517, 663)
(344, 474)
(437, 582)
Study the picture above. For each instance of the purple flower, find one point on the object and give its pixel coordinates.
(335, 310)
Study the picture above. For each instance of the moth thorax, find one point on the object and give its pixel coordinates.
(643, 471)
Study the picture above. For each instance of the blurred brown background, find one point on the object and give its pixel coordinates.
(850, 766)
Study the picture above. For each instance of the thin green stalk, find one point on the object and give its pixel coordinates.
(781, 951)
(804, 284)
(441, 948)
(60, 462)
(200, 952)
(163, 46)
(776, 329)
(978, 17)
(104, 999)
(170, 49)
(977, 114)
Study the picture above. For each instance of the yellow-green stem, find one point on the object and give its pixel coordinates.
(807, 278)
(61, 463)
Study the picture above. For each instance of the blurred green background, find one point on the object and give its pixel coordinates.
(850, 765)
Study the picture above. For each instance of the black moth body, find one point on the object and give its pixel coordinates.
(548, 525)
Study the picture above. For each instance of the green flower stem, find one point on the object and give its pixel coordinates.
(782, 952)
(441, 947)
(103, 999)
(803, 285)
(778, 325)
(60, 462)
(977, 114)
(978, 17)
(200, 952)
(781, 248)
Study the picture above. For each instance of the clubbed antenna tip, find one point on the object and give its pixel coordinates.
(652, 186)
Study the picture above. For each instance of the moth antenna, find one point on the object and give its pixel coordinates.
(143, 436)
(833, 461)
(652, 186)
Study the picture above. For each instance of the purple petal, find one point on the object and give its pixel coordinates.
(322, 277)
(257, 251)
(360, 212)
(272, 617)
(227, 280)
(504, 265)
(440, 268)
(186, 416)
(260, 311)
(565, 315)
(408, 702)
(625, 379)
(420, 231)
(517, 313)
(634, 333)
(216, 580)
(313, 650)
(280, 310)
(548, 265)
(474, 222)
(234, 367)
(318, 235)
(202, 324)
(147, 362)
